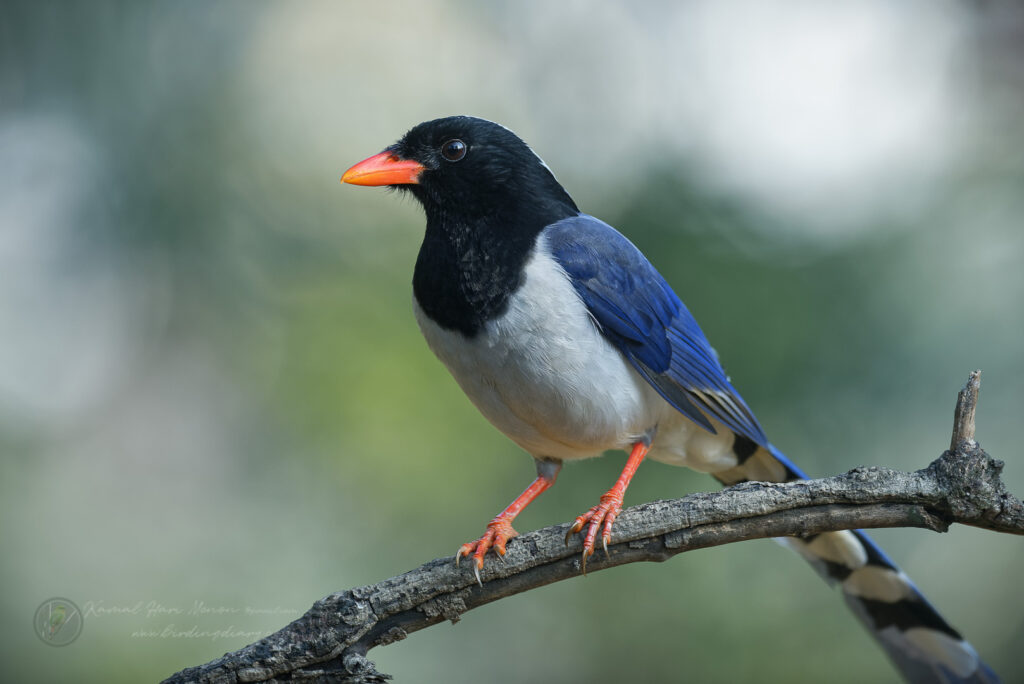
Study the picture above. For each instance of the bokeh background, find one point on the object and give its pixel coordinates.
(215, 406)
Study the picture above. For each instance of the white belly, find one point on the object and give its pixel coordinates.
(545, 376)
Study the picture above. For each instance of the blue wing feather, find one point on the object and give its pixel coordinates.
(644, 319)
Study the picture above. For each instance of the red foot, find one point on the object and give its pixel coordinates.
(604, 512)
(499, 531)
(609, 508)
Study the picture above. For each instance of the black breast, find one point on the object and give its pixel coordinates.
(464, 277)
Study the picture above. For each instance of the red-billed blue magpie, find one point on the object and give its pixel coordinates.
(571, 343)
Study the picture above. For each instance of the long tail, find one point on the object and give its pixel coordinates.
(922, 645)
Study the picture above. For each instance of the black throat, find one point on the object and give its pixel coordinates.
(467, 270)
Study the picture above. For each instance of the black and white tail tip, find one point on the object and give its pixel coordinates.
(922, 645)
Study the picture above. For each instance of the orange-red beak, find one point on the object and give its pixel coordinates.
(384, 169)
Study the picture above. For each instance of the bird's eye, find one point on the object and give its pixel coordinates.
(454, 150)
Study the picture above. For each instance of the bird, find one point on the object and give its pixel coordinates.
(570, 342)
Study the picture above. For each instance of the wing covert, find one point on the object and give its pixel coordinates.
(643, 318)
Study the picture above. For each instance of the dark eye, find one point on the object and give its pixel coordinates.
(454, 150)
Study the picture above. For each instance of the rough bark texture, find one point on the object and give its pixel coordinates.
(329, 643)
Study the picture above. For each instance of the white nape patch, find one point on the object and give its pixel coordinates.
(879, 584)
(542, 162)
(956, 654)
(839, 547)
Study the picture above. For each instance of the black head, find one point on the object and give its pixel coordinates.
(487, 197)
(468, 169)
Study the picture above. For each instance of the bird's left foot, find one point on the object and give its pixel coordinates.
(600, 517)
(498, 532)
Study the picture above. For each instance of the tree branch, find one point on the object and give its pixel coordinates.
(329, 643)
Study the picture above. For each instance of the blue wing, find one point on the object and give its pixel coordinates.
(644, 319)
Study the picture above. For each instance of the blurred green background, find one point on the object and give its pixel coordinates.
(215, 406)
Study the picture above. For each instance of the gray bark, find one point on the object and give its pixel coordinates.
(329, 643)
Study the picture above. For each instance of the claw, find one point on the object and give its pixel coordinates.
(576, 526)
(598, 518)
(587, 553)
(498, 532)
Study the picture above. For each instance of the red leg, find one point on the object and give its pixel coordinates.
(499, 530)
(608, 509)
